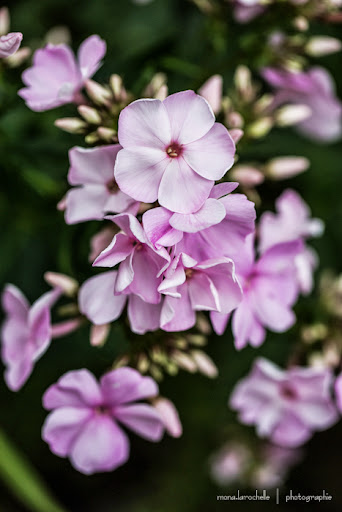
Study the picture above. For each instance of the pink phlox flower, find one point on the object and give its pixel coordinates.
(270, 288)
(190, 286)
(95, 193)
(292, 221)
(85, 417)
(286, 406)
(57, 77)
(314, 88)
(26, 333)
(98, 301)
(141, 265)
(9, 44)
(173, 151)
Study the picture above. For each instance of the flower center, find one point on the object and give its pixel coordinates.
(189, 273)
(288, 392)
(112, 186)
(174, 150)
(102, 409)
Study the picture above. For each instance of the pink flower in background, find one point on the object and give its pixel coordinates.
(286, 406)
(99, 303)
(230, 463)
(276, 461)
(83, 424)
(141, 265)
(96, 192)
(291, 222)
(247, 10)
(9, 44)
(26, 333)
(169, 416)
(173, 151)
(101, 240)
(56, 77)
(270, 288)
(190, 286)
(314, 88)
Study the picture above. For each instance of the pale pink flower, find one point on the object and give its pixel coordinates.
(314, 88)
(230, 463)
(26, 333)
(83, 424)
(190, 286)
(141, 265)
(99, 303)
(95, 193)
(56, 77)
(270, 288)
(9, 44)
(173, 151)
(286, 406)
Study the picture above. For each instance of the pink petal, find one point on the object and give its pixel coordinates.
(125, 385)
(101, 446)
(212, 212)
(9, 44)
(290, 432)
(270, 311)
(243, 324)
(211, 90)
(90, 53)
(181, 189)
(18, 371)
(156, 222)
(219, 321)
(202, 293)
(177, 314)
(77, 388)
(190, 116)
(213, 154)
(97, 301)
(62, 427)
(92, 165)
(125, 275)
(130, 225)
(222, 275)
(223, 189)
(85, 203)
(143, 317)
(169, 416)
(117, 251)
(144, 123)
(14, 302)
(143, 419)
(138, 172)
(146, 266)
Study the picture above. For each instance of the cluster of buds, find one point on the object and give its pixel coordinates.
(169, 355)
(99, 111)
(20, 55)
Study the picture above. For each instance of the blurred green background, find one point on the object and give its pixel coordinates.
(174, 37)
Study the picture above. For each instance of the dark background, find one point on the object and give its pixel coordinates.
(174, 37)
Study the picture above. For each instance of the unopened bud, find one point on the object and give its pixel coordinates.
(162, 93)
(285, 167)
(92, 138)
(247, 175)
(4, 21)
(58, 35)
(243, 82)
(71, 124)
(184, 361)
(120, 361)
(260, 128)
(19, 57)
(234, 120)
(106, 134)
(197, 339)
(211, 90)
(204, 364)
(118, 89)
(169, 416)
(99, 94)
(143, 363)
(301, 23)
(157, 83)
(61, 205)
(263, 103)
(319, 46)
(236, 134)
(89, 114)
(292, 114)
(66, 283)
(99, 334)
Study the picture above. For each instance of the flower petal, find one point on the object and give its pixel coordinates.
(143, 419)
(211, 213)
(143, 317)
(90, 53)
(125, 385)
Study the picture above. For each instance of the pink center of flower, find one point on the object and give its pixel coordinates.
(288, 392)
(189, 273)
(112, 186)
(102, 409)
(174, 150)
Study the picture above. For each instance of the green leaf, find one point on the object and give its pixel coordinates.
(23, 480)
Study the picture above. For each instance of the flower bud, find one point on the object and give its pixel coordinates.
(117, 87)
(301, 23)
(19, 57)
(234, 120)
(9, 44)
(247, 175)
(243, 82)
(66, 283)
(211, 90)
(285, 167)
(89, 114)
(184, 361)
(169, 416)
(106, 134)
(204, 364)
(99, 94)
(292, 114)
(319, 46)
(58, 35)
(4, 21)
(64, 328)
(99, 334)
(236, 134)
(260, 128)
(71, 124)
